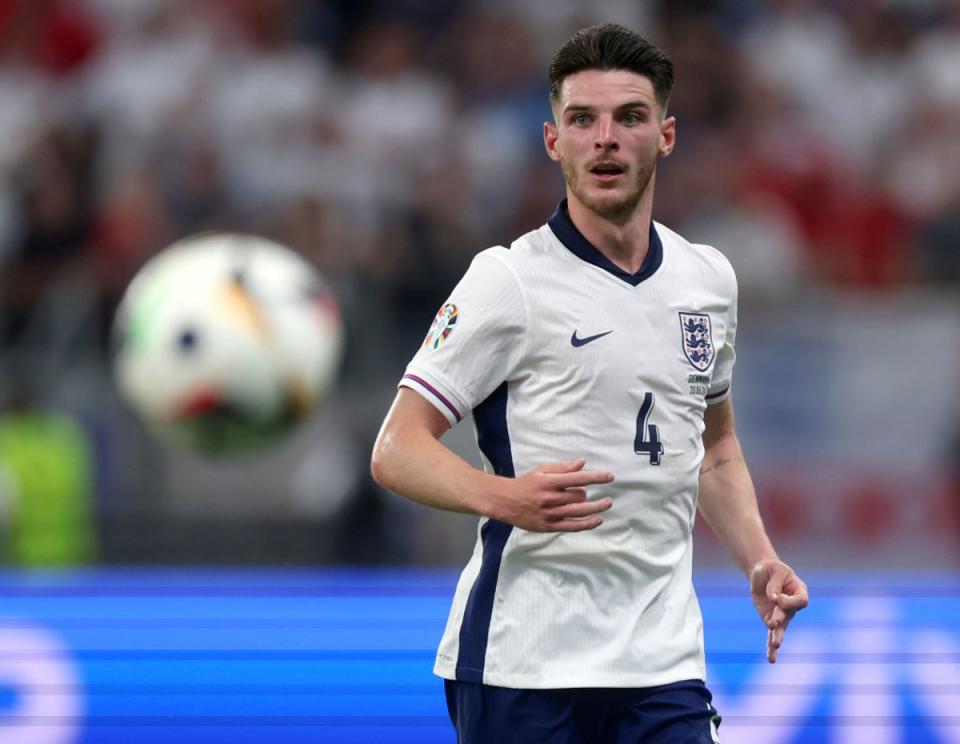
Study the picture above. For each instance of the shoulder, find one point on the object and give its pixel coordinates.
(527, 248)
(705, 259)
(526, 254)
(494, 278)
(496, 265)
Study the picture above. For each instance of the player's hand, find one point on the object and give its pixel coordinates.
(553, 498)
(778, 594)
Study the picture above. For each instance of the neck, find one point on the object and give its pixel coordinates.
(624, 241)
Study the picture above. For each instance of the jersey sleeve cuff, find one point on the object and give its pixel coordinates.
(439, 395)
(718, 394)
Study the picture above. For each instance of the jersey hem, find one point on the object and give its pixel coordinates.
(438, 399)
(680, 673)
(437, 393)
(718, 396)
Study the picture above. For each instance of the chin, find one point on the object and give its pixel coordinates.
(612, 207)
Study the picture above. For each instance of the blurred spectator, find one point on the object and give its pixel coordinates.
(146, 75)
(394, 114)
(130, 225)
(54, 37)
(46, 461)
(53, 186)
(831, 64)
(939, 247)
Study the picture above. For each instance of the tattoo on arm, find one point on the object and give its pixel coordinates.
(719, 464)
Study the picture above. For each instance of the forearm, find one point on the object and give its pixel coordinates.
(409, 459)
(414, 464)
(728, 502)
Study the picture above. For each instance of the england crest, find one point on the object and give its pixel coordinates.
(697, 339)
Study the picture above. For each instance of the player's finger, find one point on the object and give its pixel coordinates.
(568, 466)
(575, 525)
(775, 618)
(793, 602)
(578, 510)
(775, 581)
(580, 479)
(772, 647)
(778, 635)
(566, 496)
(774, 641)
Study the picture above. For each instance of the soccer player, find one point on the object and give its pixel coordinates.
(596, 355)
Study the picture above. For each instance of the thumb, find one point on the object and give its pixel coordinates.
(778, 574)
(763, 580)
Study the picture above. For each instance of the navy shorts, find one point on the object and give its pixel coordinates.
(678, 713)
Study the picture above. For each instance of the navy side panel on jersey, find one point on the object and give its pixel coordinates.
(494, 440)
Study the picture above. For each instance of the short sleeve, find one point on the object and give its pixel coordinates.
(722, 378)
(474, 343)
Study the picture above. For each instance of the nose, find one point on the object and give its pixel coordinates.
(606, 135)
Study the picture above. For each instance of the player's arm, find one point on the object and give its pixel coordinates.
(729, 504)
(409, 459)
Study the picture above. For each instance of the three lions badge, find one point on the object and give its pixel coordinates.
(697, 340)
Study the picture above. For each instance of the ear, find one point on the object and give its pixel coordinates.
(550, 135)
(668, 136)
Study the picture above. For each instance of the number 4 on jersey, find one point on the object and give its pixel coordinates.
(647, 441)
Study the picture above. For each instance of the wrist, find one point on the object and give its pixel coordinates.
(760, 563)
(483, 494)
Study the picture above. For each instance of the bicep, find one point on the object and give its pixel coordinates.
(410, 409)
(718, 422)
(410, 423)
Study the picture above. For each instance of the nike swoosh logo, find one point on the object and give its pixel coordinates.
(587, 339)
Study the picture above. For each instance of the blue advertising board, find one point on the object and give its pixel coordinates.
(187, 656)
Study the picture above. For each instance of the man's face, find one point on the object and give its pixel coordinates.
(608, 134)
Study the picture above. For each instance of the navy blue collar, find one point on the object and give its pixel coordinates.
(568, 234)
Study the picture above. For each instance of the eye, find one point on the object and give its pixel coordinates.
(580, 120)
(632, 117)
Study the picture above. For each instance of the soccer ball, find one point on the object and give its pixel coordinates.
(223, 342)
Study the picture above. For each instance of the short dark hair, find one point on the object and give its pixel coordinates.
(610, 46)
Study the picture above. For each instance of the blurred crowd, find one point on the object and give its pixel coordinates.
(389, 141)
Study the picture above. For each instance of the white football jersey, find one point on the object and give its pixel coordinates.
(560, 355)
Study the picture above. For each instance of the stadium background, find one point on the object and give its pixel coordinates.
(148, 594)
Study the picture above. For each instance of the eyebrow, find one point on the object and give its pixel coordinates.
(577, 107)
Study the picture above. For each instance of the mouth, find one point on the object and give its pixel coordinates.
(607, 171)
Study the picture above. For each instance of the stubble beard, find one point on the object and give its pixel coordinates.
(618, 210)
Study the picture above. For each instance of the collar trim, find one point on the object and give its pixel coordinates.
(568, 234)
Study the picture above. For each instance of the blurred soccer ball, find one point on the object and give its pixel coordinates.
(224, 342)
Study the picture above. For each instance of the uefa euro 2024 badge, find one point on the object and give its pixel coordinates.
(442, 326)
(697, 339)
